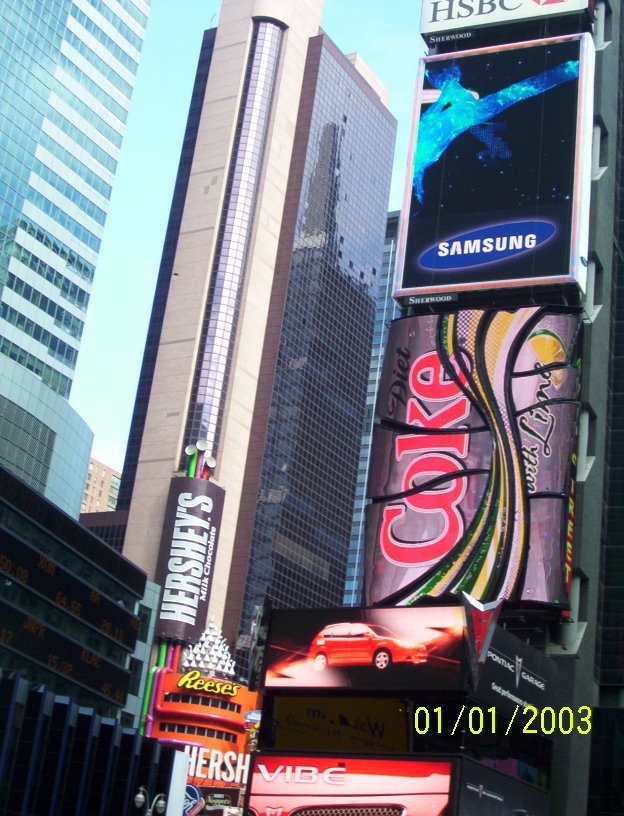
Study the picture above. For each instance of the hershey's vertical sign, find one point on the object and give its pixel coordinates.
(187, 554)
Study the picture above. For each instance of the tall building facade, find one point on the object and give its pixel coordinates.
(586, 642)
(386, 310)
(606, 784)
(101, 488)
(264, 312)
(314, 372)
(68, 72)
(72, 611)
(610, 644)
(58, 756)
(588, 646)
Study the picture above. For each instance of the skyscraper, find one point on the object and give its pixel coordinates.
(386, 310)
(101, 488)
(68, 70)
(586, 641)
(606, 783)
(263, 318)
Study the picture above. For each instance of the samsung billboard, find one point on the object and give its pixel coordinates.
(498, 192)
(471, 468)
(458, 15)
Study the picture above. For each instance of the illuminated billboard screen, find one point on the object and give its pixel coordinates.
(318, 785)
(500, 181)
(350, 724)
(62, 655)
(367, 649)
(187, 556)
(447, 15)
(25, 565)
(221, 802)
(471, 465)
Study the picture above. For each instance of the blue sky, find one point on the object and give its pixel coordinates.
(386, 36)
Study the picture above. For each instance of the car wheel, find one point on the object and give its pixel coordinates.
(320, 661)
(382, 659)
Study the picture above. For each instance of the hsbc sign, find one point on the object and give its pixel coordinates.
(451, 15)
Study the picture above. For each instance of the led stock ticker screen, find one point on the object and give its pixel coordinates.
(367, 649)
(318, 785)
(471, 476)
(499, 189)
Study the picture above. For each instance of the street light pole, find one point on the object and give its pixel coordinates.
(158, 805)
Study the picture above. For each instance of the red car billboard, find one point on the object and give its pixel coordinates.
(498, 194)
(343, 786)
(471, 466)
(367, 649)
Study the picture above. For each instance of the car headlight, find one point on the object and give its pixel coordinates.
(416, 647)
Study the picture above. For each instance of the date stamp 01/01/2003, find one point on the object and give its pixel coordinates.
(526, 719)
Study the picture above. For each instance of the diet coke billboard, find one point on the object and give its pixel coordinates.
(471, 468)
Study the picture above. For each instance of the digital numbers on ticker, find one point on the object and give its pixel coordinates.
(528, 720)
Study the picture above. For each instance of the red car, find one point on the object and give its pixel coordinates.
(362, 644)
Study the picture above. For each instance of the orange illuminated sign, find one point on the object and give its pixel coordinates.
(205, 716)
(194, 680)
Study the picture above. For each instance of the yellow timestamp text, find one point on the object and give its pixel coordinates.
(529, 720)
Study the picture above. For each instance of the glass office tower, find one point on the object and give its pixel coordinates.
(68, 70)
(319, 361)
(264, 312)
(387, 309)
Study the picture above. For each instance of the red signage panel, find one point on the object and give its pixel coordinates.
(317, 785)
